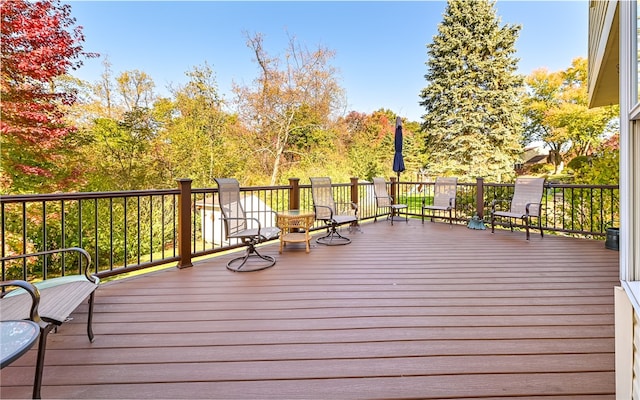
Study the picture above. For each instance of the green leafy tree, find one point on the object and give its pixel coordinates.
(602, 166)
(472, 122)
(118, 132)
(557, 113)
(197, 140)
(123, 159)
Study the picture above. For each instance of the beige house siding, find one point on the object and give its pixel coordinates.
(627, 344)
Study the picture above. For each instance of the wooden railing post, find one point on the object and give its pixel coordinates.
(480, 197)
(354, 190)
(184, 223)
(294, 194)
(394, 189)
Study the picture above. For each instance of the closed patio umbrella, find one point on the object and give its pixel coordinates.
(398, 160)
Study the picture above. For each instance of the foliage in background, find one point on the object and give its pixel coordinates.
(39, 43)
(557, 113)
(472, 121)
(601, 167)
(291, 101)
(197, 138)
(370, 143)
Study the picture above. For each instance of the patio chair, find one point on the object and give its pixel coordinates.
(384, 201)
(238, 225)
(333, 214)
(525, 204)
(444, 198)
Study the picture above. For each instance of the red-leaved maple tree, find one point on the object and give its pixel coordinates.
(39, 41)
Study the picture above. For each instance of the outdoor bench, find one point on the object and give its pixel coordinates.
(50, 302)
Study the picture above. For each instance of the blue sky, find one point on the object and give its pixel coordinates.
(380, 45)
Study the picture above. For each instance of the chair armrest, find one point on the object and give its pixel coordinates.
(246, 219)
(262, 211)
(33, 292)
(351, 204)
(331, 211)
(83, 253)
(273, 213)
(526, 208)
(385, 197)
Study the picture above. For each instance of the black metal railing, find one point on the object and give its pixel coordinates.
(579, 210)
(133, 230)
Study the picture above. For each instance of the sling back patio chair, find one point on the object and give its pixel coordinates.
(384, 201)
(239, 225)
(333, 214)
(525, 204)
(444, 198)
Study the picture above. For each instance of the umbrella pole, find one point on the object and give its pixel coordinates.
(397, 188)
(396, 194)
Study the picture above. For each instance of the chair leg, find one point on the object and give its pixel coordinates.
(90, 319)
(526, 225)
(493, 219)
(237, 264)
(42, 347)
(333, 238)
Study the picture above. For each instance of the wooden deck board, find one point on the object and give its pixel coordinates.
(405, 311)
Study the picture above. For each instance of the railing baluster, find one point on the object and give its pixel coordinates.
(126, 253)
(96, 223)
(24, 240)
(45, 259)
(138, 228)
(110, 234)
(151, 228)
(80, 244)
(63, 229)
(174, 220)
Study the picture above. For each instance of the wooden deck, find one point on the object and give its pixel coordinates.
(404, 312)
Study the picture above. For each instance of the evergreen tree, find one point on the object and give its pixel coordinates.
(473, 122)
